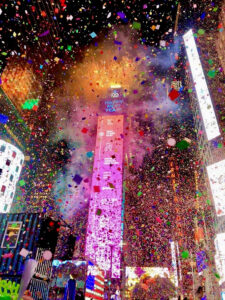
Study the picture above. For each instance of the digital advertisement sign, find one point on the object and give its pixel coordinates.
(11, 162)
(219, 257)
(103, 240)
(216, 174)
(204, 99)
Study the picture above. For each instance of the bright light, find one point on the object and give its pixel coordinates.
(11, 161)
(104, 220)
(216, 173)
(220, 256)
(204, 99)
(115, 86)
(174, 263)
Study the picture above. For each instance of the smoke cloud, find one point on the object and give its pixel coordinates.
(140, 71)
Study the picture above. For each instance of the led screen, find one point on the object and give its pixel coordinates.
(216, 174)
(204, 99)
(11, 161)
(11, 235)
(219, 257)
(104, 222)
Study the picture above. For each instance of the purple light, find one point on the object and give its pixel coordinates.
(103, 242)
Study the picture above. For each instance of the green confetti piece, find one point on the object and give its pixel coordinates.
(217, 275)
(4, 53)
(211, 73)
(185, 254)
(210, 61)
(201, 31)
(98, 212)
(22, 182)
(139, 194)
(168, 223)
(136, 25)
(208, 202)
(215, 9)
(69, 48)
(182, 145)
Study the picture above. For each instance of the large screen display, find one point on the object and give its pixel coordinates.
(219, 257)
(216, 174)
(204, 99)
(11, 162)
(103, 241)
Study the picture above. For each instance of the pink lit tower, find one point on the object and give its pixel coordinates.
(104, 234)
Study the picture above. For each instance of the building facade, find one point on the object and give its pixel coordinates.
(205, 83)
(24, 236)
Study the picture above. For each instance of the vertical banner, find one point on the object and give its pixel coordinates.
(103, 241)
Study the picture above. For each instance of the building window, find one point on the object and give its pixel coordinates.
(8, 162)
(3, 189)
(0, 172)
(11, 178)
(17, 169)
(11, 235)
(14, 154)
(2, 149)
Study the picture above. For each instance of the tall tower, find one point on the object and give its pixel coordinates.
(103, 241)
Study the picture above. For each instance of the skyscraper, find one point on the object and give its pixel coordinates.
(103, 242)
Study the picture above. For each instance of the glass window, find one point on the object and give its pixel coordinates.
(11, 178)
(3, 189)
(2, 149)
(0, 172)
(8, 162)
(14, 154)
(17, 169)
(11, 235)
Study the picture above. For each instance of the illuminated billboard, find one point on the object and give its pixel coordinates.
(216, 174)
(103, 240)
(204, 99)
(149, 282)
(220, 257)
(11, 161)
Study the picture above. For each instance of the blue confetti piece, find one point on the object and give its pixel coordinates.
(77, 178)
(93, 34)
(121, 15)
(89, 154)
(203, 15)
(3, 119)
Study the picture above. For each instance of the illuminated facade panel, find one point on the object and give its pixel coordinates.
(220, 257)
(103, 241)
(216, 174)
(204, 99)
(11, 161)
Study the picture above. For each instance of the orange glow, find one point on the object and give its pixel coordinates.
(19, 82)
(102, 68)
